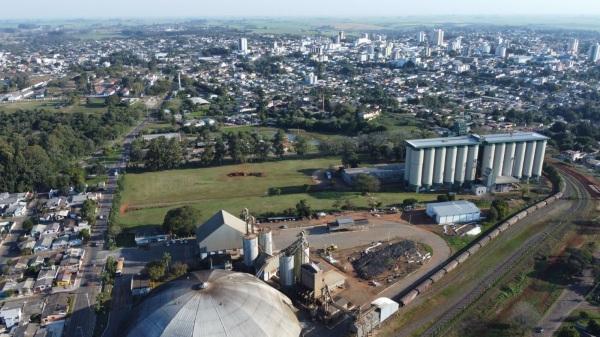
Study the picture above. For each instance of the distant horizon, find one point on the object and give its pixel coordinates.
(279, 17)
(158, 9)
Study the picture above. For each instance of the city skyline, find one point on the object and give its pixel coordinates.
(38, 9)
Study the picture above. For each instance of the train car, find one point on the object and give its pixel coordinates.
(484, 240)
(512, 221)
(559, 195)
(421, 288)
(406, 299)
(551, 199)
(504, 226)
(438, 275)
(494, 234)
(474, 248)
(463, 257)
(451, 266)
(521, 215)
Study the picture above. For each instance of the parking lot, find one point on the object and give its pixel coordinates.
(137, 257)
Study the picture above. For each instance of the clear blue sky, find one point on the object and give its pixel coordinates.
(35, 9)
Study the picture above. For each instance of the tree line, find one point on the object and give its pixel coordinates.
(241, 147)
(39, 149)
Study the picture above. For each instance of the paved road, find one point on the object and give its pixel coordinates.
(442, 315)
(83, 320)
(569, 300)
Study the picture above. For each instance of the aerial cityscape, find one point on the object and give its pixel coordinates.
(300, 172)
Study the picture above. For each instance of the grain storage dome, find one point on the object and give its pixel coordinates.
(215, 303)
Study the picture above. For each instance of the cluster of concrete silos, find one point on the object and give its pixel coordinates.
(520, 160)
(456, 160)
(440, 162)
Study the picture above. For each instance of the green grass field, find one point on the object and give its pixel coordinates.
(51, 106)
(148, 196)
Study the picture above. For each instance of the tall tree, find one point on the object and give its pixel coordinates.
(220, 150)
(301, 145)
(181, 221)
(279, 144)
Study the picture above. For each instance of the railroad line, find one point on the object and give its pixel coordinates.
(574, 190)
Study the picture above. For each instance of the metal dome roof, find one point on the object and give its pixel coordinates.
(215, 303)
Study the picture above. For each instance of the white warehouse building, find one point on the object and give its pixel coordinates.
(453, 212)
(454, 161)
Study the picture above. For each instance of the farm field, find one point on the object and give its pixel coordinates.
(148, 196)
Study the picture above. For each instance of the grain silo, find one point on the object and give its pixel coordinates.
(440, 161)
(434, 162)
(286, 271)
(250, 249)
(214, 303)
(265, 241)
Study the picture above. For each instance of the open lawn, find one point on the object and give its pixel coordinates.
(148, 196)
(52, 106)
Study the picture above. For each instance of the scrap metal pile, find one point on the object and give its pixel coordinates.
(385, 257)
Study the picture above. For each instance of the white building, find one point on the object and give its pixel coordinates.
(243, 45)
(573, 46)
(453, 212)
(311, 79)
(221, 232)
(501, 51)
(422, 36)
(438, 37)
(595, 52)
(10, 315)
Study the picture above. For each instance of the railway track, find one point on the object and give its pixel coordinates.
(574, 190)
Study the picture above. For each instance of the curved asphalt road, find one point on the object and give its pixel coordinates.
(319, 237)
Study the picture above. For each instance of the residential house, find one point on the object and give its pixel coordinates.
(51, 229)
(43, 244)
(38, 229)
(36, 261)
(25, 288)
(27, 245)
(55, 309)
(63, 278)
(61, 243)
(44, 280)
(57, 203)
(16, 209)
(71, 264)
(10, 286)
(10, 314)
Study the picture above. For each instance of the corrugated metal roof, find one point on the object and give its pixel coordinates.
(443, 142)
(475, 140)
(453, 208)
(512, 137)
(231, 305)
(221, 218)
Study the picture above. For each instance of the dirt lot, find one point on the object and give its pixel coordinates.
(382, 229)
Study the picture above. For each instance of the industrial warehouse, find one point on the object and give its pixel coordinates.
(495, 159)
(453, 212)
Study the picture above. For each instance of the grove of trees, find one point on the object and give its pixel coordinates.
(181, 221)
(39, 150)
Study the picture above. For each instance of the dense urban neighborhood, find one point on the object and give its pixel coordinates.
(177, 178)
